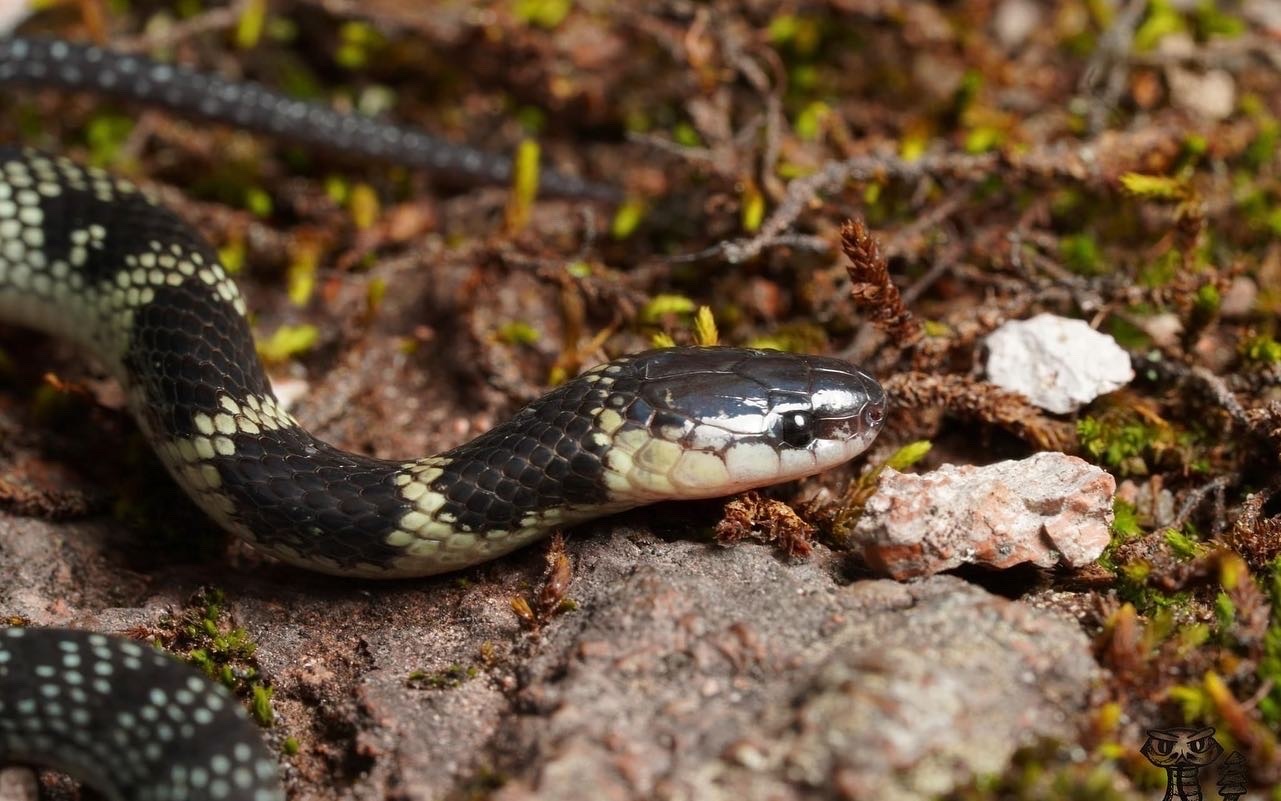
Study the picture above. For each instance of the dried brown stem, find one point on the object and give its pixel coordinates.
(871, 286)
(985, 402)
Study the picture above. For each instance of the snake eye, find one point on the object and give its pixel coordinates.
(796, 428)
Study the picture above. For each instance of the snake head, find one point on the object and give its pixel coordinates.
(707, 422)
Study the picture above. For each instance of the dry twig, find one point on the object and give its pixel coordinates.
(871, 286)
(985, 402)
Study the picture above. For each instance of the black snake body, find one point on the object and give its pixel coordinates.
(89, 257)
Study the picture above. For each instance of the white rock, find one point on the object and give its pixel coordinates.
(1212, 94)
(1058, 363)
(1015, 20)
(1048, 509)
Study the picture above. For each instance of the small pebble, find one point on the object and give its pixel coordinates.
(1047, 509)
(1059, 364)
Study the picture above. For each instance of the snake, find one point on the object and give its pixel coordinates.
(95, 260)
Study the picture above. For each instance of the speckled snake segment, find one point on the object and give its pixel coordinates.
(127, 720)
(251, 106)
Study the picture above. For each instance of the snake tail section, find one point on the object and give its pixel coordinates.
(127, 720)
(251, 106)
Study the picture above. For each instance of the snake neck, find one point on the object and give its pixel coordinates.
(87, 257)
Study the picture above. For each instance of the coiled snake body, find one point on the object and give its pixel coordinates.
(88, 257)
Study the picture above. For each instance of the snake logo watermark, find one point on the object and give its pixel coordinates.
(1183, 752)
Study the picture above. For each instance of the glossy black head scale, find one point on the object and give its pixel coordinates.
(713, 421)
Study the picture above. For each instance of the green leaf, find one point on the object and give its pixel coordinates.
(909, 454)
(1154, 186)
(288, 341)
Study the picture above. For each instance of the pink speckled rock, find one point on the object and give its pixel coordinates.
(1048, 509)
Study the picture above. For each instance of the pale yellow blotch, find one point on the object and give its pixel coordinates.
(619, 461)
(204, 447)
(204, 423)
(428, 474)
(414, 521)
(657, 483)
(631, 441)
(658, 456)
(399, 539)
(460, 542)
(224, 446)
(430, 503)
(402, 479)
(700, 469)
(413, 491)
(609, 421)
(754, 461)
(225, 424)
(229, 404)
(423, 547)
(210, 473)
(795, 461)
(248, 426)
(620, 468)
(192, 477)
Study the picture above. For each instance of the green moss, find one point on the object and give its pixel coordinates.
(358, 42)
(517, 333)
(1269, 664)
(799, 337)
(1125, 521)
(1161, 270)
(1207, 300)
(105, 135)
(290, 746)
(1225, 613)
(627, 219)
(1261, 349)
(1134, 443)
(288, 341)
(1081, 255)
(1184, 545)
(447, 678)
(260, 695)
(224, 652)
(543, 13)
(258, 201)
(1162, 20)
(663, 305)
(685, 134)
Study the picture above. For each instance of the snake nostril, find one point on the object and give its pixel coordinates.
(873, 414)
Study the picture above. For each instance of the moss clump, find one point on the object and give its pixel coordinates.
(204, 637)
(447, 678)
